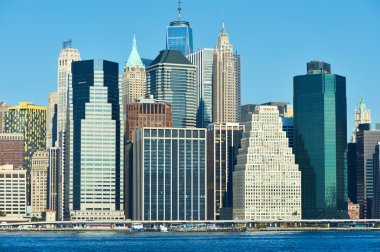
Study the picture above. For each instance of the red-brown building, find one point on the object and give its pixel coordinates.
(12, 149)
(142, 114)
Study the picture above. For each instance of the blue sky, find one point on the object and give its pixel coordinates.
(275, 38)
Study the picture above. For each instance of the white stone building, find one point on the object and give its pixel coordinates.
(266, 180)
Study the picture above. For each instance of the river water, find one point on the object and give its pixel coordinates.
(146, 241)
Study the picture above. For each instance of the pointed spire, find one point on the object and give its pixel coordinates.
(179, 10)
(134, 58)
(362, 104)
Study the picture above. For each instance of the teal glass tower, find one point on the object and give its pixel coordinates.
(179, 35)
(320, 124)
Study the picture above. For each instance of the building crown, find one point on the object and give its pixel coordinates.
(134, 58)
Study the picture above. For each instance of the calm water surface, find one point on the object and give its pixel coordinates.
(126, 241)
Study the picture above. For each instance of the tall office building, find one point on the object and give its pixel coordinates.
(30, 120)
(362, 115)
(203, 59)
(266, 179)
(54, 183)
(96, 142)
(134, 77)
(3, 110)
(13, 193)
(366, 141)
(179, 35)
(38, 177)
(51, 120)
(12, 149)
(246, 111)
(225, 96)
(223, 142)
(66, 57)
(352, 174)
(171, 78)
(376, 182)
(169, 174)
(237, 59)
(320, 124)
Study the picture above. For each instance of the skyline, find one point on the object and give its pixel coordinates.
(29, 55)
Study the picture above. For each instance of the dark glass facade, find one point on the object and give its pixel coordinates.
(352, 173)
(320, 124)
(179, 37)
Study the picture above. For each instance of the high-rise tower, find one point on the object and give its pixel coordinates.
(51, 120)
(203, 59)
(96, 142)
(225, 97)
(66, 57)
(171, 78)
(134, 77)
(320, 124)
(179, 35)
(362, 115)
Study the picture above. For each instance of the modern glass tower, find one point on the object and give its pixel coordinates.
(96, 142)
(171, 78)
(179, 35)
(203, 59)
(169, 170)
(320, 124)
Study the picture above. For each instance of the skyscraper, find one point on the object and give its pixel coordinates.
(362, 115)
(38, 177)
(266, 179)
(376, 182)
(51, 120)
(66, 57)
(96, 142)
(225, 97)
(171, 78)
(179, 35)
(366, 141)
(30, 120)
(320, 124)
(54, 183)
(203, 59)
(237, 59)
(134, 77)
(169, 174)
(223, 142)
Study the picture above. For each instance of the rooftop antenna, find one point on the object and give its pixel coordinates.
(179, 10)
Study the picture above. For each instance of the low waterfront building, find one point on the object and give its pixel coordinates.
(353, 210)
(169, 174)
(12, 192)
(266, 180)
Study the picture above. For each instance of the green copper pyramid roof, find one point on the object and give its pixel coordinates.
(362, 104)
(134, 58)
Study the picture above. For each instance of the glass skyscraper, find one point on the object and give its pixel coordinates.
(203, 59)
(169, 170)
(171, 78)
(179, 35)
(320, 124)
(96, 142)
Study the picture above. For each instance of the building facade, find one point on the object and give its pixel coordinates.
(30, 120)
(51, 120)
(96, 162)
(169, 174)
(146, 113)
(3, 110)
(54, 183)
(366, 142)
(12, 149)
(237, 63)
(320, 124)
(171, 79)
(39, 178)
(223, 142)
(134, 77)
(225, 98)
(266, 179)
(203, 59)
(13, 192)
(179, 35)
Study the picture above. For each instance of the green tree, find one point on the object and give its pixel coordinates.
(2, 214)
